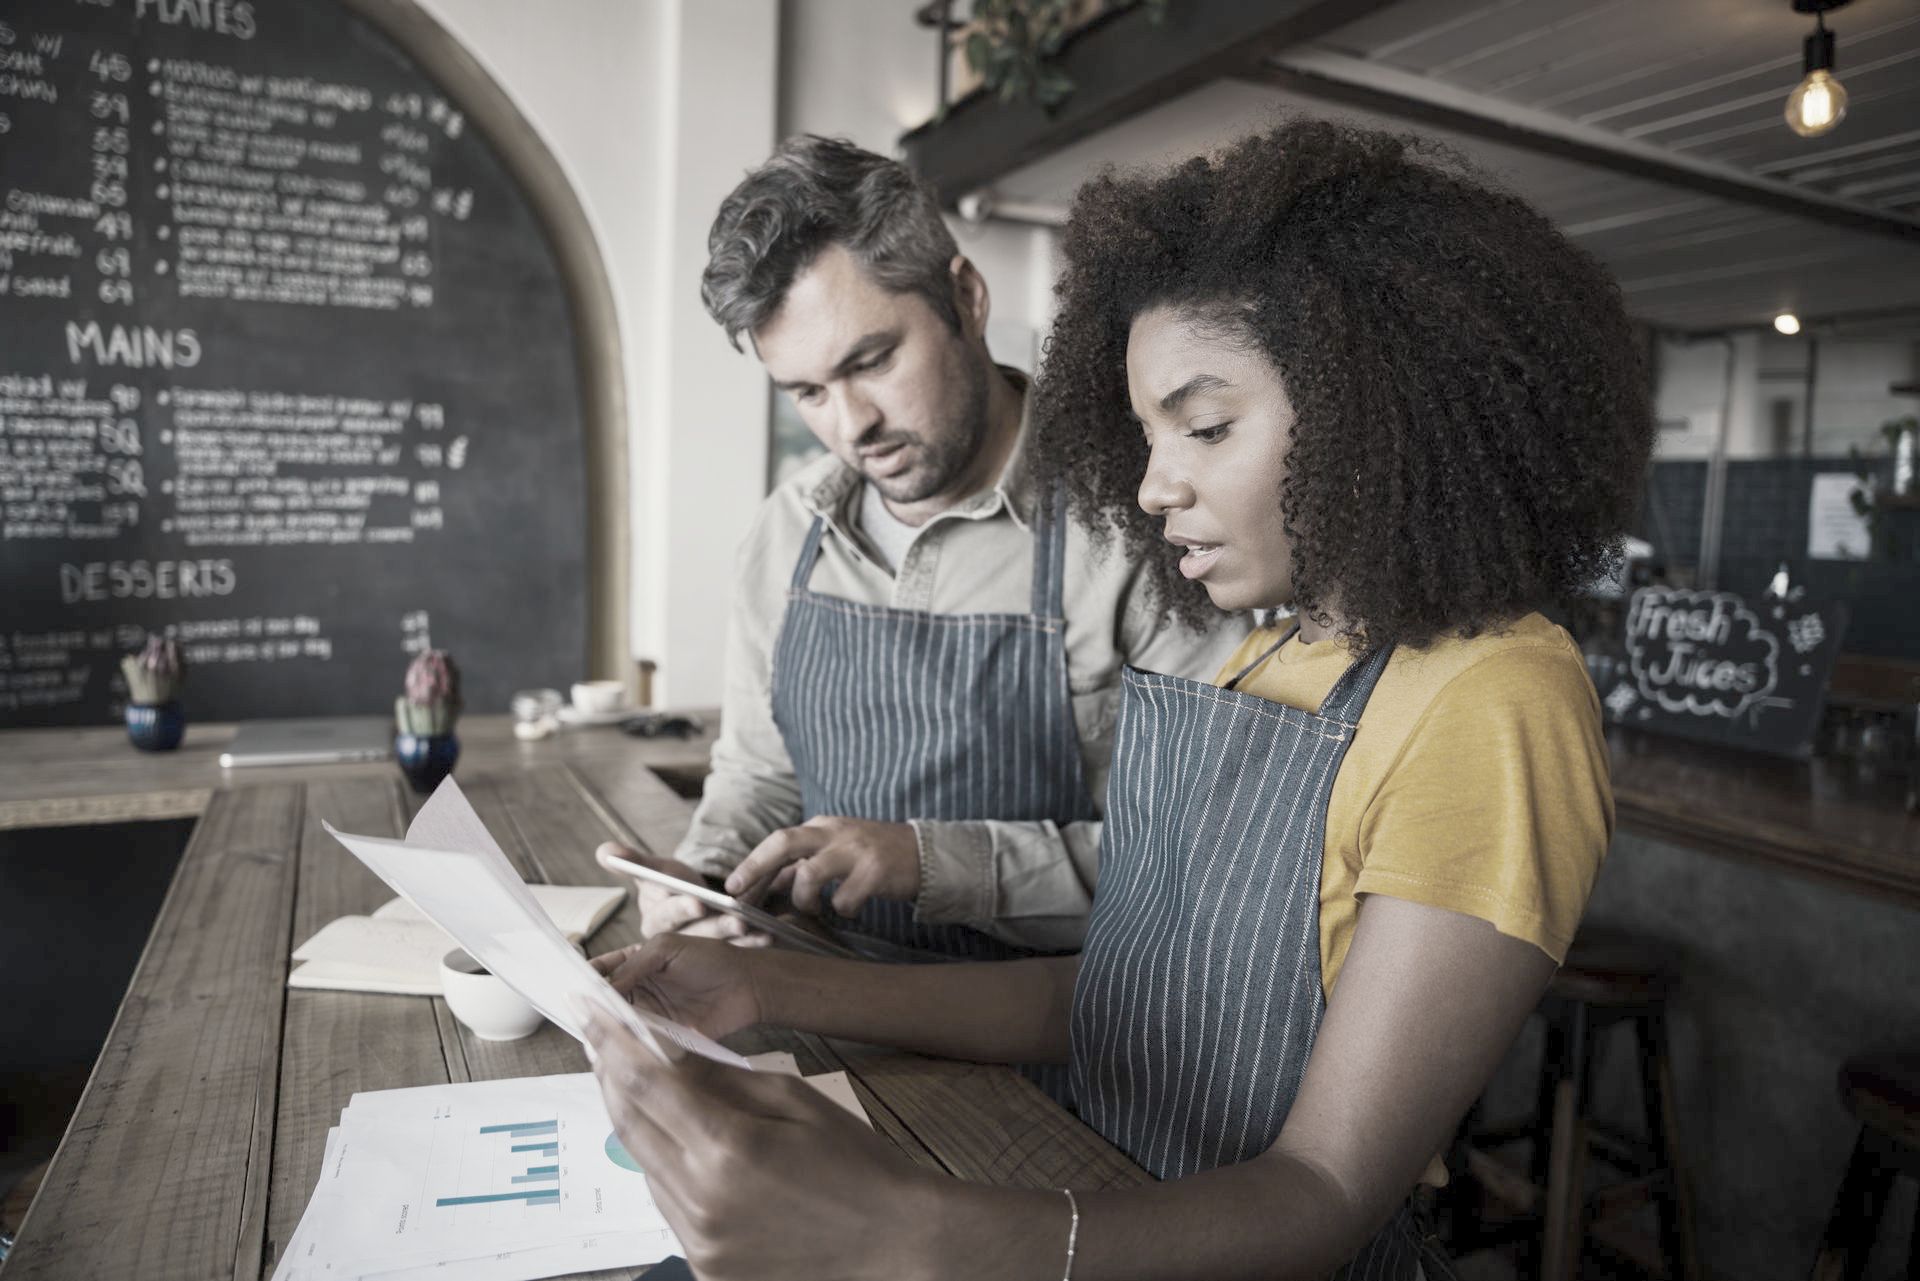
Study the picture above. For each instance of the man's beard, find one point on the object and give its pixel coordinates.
(942, 462)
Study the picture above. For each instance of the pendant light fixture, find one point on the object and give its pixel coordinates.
(1818, 102)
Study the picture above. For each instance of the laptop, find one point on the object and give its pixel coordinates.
(322, 740)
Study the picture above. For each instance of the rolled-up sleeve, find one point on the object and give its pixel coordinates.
(1028, 884)
(752, 791)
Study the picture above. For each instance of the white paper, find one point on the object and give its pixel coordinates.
(837, 1086)
(428, 1181)
(296, 1255)
(578, 910)
(450, 868)
(1834, 530)
(425, 1183)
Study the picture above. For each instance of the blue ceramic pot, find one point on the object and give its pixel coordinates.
(156, 727)
(425, 758)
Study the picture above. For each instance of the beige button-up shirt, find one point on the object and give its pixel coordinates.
(1027, 883)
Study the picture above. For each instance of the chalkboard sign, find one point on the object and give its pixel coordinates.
(286, 370)
(1726, 669)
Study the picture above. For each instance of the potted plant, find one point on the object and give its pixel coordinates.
(1011, 48)
(1891, 505)
(154, 676)
(424, 717)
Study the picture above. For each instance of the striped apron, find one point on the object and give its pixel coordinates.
(1199, 991)
(894, 714)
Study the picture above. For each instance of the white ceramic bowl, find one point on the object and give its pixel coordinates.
(598, 696)
(491, 1010)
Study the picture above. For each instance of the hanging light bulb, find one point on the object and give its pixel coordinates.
(1816, 104)
(1819, 101)
(1787, 323)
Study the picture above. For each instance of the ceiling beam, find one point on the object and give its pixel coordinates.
(1372, 86)
(1904, 322)
(1121, 65)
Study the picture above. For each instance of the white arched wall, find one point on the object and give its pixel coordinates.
(654, 110)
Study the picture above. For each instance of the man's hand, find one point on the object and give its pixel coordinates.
(664, 912)
(869, 859)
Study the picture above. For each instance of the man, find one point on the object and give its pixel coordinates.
(924, 655)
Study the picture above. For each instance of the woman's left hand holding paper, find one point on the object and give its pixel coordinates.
(757, 1172)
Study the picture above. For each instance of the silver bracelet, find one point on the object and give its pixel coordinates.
(1073, 1233)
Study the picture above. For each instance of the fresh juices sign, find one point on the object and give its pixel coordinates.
(1721, 666)
(1704, 653)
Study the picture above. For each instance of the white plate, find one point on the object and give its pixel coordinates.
(571, 715)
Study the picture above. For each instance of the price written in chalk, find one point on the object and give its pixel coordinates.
(280, 337)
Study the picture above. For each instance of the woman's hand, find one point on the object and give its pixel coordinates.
(702, 983)
(869, 859)
(758, 1174)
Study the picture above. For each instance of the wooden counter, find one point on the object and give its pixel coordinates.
(210, 1043)
(60, 777)
(1816, 818)
(198, 1141)
(1823, 818)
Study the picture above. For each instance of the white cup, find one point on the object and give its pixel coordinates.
(491, 1010)
(598, 696)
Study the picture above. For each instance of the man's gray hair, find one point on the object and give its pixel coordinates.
(811, 193)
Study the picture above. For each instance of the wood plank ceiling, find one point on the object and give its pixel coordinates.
(1700, 82)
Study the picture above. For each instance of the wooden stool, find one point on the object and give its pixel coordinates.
(1883, 1092)
(1607, 981)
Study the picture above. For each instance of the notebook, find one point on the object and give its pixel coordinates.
(398, 950)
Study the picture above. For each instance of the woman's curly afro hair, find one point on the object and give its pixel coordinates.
(1472, 423)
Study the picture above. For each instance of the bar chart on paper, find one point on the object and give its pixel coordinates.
(504, 1178)
(536, 1159)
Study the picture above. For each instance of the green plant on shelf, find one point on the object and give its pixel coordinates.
(1014, 43)
(431, 704)
(1878, 493)
(156, 674)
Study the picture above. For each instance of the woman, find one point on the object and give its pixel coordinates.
(1320, 370)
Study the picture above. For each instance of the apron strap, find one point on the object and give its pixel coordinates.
(1349, 695)
(809, 553)
(1265, 654)
(1050, 556)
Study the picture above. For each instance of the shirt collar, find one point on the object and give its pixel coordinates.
(836, 495)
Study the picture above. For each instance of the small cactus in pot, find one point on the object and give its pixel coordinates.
(424, 718)
(155, 721)
(431, 704)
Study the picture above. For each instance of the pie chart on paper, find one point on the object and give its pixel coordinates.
(619, 1155)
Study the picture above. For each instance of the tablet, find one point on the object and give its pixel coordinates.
(767, 922)
(314, 741)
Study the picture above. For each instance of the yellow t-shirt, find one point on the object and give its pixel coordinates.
(1478, 780)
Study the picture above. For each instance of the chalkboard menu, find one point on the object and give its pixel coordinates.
(1725, 668)
(286, 370)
